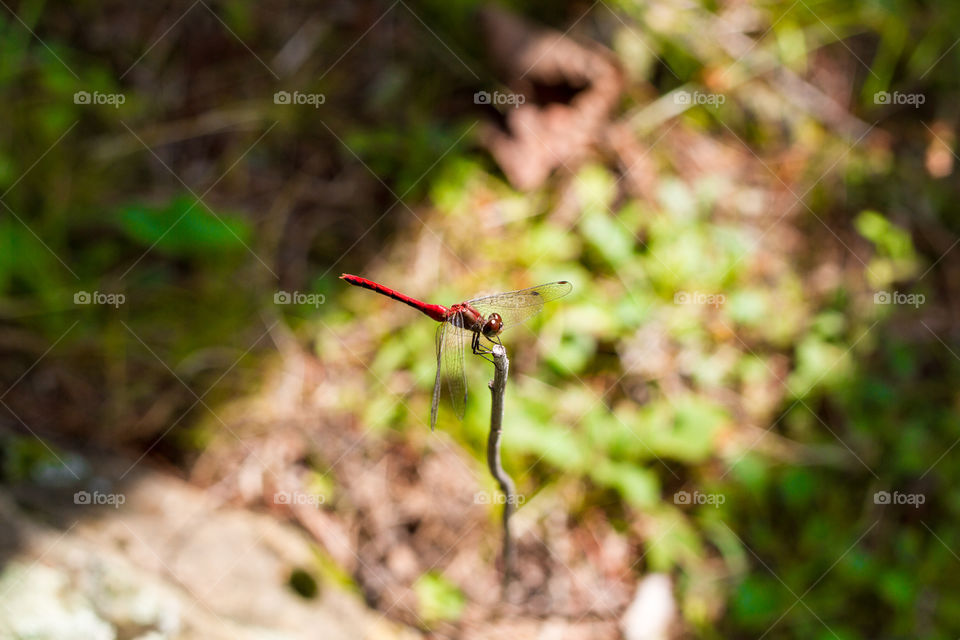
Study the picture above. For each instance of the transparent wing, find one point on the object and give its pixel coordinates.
(451, 343)
(437, 383)
(455, 343)
(516, 307)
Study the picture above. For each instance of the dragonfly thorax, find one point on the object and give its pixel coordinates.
(466, 317)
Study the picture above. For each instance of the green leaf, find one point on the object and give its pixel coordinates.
(830, 324)
(675, 196)
(748, 307)
(595, 189)
(185, 228)
(608, 237)
(897, 587)
(755, 603)
(24, 260)
(530, 432)
(890, 240)
(691, 429)
(819, 364)
(439, 598)
(798, 488)
(672, 541)
(639, 486)
(751, 470)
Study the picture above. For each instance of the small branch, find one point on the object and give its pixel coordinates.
(498, 387)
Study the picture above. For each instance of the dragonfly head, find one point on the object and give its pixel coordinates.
(493, 326)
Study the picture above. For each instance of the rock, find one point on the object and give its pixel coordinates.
(166, 563)
(652, 613)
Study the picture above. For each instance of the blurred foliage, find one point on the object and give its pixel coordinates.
(439, 598)
(622, 388)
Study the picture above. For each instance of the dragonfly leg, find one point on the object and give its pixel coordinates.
(479, 349)
(484, 351)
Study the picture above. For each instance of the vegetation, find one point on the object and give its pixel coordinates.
(758, 342)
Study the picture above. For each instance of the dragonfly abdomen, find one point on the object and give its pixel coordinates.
(435, 311)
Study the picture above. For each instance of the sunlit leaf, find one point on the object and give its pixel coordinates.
(438, 598)
(639, 486)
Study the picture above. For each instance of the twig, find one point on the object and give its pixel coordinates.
(497, 388)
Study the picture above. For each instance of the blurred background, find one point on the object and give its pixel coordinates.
(742, 423)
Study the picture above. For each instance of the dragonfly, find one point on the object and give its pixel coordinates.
(472, 321)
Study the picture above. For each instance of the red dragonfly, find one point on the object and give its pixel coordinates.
(485, 317)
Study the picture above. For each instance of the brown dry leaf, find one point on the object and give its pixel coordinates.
(569, 90)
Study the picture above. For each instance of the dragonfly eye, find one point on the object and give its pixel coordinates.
(493, 325)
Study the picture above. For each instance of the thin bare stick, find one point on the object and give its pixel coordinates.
(498, 387)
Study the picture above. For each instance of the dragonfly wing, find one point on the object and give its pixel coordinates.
(451, 342)
(435, 404)
(454, 345)
(516, 307)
